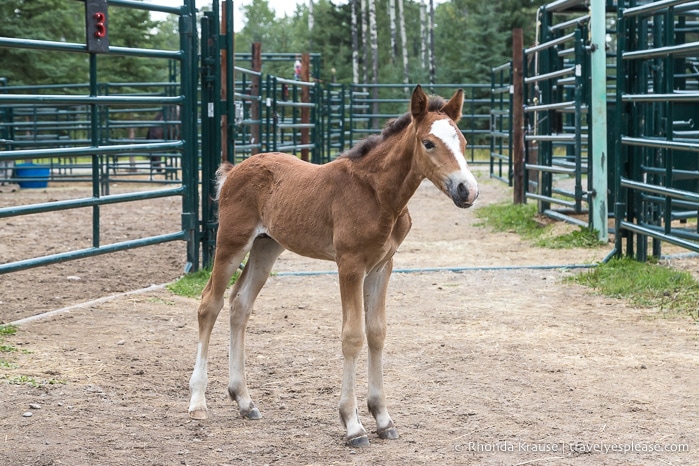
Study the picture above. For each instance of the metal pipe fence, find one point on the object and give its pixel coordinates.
(77, 132)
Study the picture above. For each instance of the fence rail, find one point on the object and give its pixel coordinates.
(80, 133)
(657, 161)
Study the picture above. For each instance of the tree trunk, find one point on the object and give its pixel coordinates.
(355, 43)
(423, 36)
(432, 64)
(310, 15)
(374, 59)
(403, 44)
(365, 49)
(392, 22)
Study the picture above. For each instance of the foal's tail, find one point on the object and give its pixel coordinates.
(221, 175)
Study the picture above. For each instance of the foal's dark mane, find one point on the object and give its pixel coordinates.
(393, 127)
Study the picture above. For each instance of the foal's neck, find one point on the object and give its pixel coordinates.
(398, 177)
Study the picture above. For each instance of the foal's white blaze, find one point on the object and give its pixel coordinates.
(445, 131)
(448, 133)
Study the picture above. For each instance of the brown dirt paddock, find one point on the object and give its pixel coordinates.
(501, 366)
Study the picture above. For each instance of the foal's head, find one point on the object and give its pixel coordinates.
(440, 147)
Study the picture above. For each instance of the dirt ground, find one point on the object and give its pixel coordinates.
(506, 364)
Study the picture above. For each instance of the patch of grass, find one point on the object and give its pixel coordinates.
(513, 218)
(645, 284)
(6, 330)
(192, 284)
(520, 219)
(161, 301)
(32, 382)
(585, 238)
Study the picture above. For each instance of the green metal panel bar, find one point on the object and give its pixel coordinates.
(90, 252)
(190, 171)
(644, 231)
(87, 202)
(88, 151)
(651, 8)
(95, 99)
(599, 210)
(139, 5)
(81, 48)
(659, 143)
(662, 52)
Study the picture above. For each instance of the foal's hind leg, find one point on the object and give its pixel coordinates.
(263, 254)
(375, 285)
(227, 260)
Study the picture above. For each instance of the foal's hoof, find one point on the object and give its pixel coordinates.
(358, 442)
(198, 414)
(252, 414)
(389, 433)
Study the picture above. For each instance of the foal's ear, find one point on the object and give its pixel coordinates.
(418, 103)
(455, 105)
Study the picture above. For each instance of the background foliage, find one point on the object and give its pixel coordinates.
(470, 37)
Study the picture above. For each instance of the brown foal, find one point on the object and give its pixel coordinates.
(353, 211)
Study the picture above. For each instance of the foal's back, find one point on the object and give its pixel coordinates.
(302, 206)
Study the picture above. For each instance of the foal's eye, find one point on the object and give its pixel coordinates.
(428, 144)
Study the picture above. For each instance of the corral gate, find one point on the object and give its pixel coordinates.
(657, 98)
(96, 144)
(649, 80)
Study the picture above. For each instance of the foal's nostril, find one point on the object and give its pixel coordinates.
(462, 190)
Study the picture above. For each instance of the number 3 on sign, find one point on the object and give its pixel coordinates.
(99, 25)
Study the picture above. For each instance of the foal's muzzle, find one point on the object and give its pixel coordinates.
(463, 192)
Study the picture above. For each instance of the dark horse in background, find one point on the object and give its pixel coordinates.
(168, 130)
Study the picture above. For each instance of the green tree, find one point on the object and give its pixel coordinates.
(132, 28)
(64, 21)
(483, 34)
(50, 20)
(260, 26)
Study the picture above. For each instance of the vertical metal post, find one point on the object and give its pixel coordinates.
(230, 84)
(668, 83)
(577, 119)
(620, 196)
(272, 92)
(305, 98)
(96, 159)
(548, 59)
(255, 82)
(222, 44)
(525, 99)
(190, 155)
(518, 115)
(599, 208)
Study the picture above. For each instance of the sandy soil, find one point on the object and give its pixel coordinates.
(506, 365)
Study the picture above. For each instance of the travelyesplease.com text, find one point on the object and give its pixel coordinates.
(571, 447)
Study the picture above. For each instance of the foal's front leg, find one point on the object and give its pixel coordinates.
(263, 254)
(351, 279)
(375, 285)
